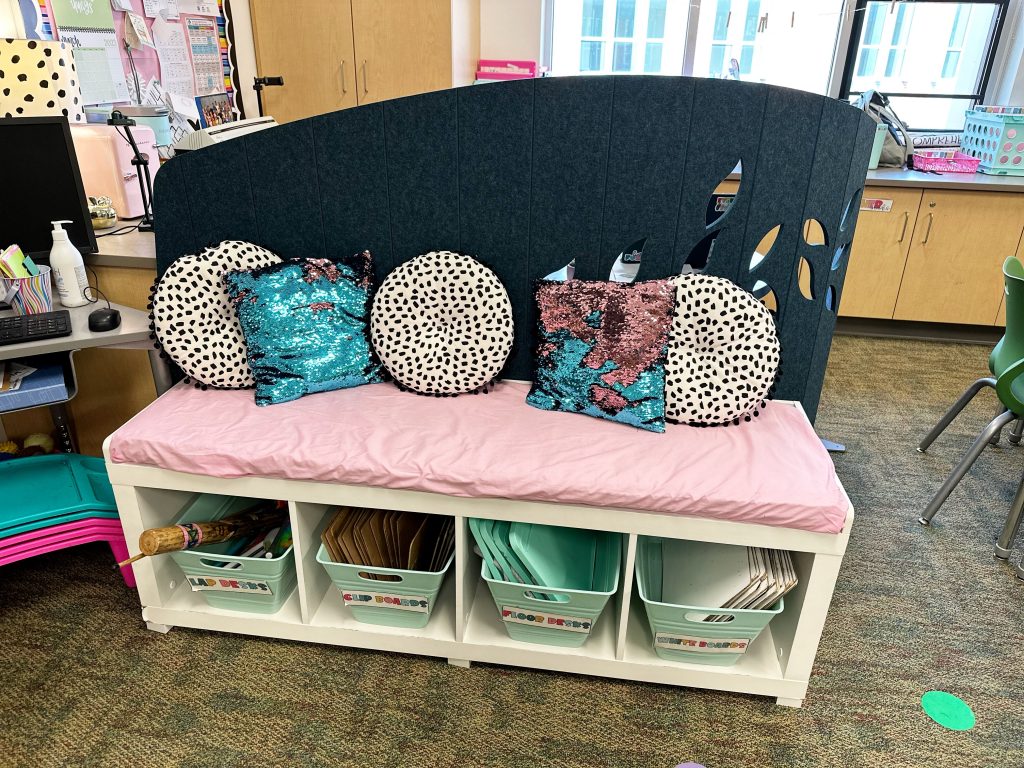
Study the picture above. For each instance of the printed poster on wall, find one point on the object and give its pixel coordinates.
(198, 7)
(206, 63)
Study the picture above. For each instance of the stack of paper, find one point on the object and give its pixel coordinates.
(387, 539)
(11, 376)
(14, 263)
(705, 575)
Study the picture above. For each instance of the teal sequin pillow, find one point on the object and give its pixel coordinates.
(306, 327)
(601, 349)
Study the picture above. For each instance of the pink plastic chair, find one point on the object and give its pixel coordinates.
(65, 535)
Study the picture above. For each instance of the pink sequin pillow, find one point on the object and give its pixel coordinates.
(601, 350)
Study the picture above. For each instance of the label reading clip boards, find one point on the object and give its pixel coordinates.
(702, 644)
(206, 584)
(514, 615)
(384, 600)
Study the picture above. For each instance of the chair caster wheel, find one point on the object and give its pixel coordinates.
(920, 450)
(925, 523)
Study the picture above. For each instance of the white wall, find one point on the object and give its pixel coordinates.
(11, 24)
(510, 29)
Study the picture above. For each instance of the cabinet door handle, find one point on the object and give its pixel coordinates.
(344, 90)
(928, 231)
(366, 88)
(906, 220)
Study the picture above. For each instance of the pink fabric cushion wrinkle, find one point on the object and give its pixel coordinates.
(772, 470)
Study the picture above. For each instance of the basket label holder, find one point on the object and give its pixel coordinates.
(360, 599)
(691, 643)
(220, 584)
(512, 615)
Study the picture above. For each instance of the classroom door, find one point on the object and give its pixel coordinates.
(954, 269)
(309, 43)
(401, 48)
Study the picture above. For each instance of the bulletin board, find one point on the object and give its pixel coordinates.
(180, 54)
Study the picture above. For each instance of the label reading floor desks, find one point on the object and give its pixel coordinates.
(538, 619)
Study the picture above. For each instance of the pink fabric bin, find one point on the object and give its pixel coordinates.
(40, 541)
(772, 470)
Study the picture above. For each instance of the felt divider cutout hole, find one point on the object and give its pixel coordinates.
(805, 278)
(701, 253)
(765, 246)
(830, 298)
(837, 257)
(719, 203)
(850, 208)
(764, 292)
(814, 232)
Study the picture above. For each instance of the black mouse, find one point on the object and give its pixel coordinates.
(105, 319)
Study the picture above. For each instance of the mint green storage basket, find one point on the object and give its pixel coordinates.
(256, 585)
(407, 602)
(678, 631)
(566, 617)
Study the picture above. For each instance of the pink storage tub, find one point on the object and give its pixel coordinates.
(960, 163)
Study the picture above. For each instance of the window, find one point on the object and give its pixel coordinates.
(931, 57)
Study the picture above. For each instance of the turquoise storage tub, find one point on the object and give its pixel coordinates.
(679, 631)
(255, 585)
(407, 601)
(562, 617)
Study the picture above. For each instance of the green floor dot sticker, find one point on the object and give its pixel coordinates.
(948, 710)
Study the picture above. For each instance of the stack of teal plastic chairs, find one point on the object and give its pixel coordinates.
(49, 503)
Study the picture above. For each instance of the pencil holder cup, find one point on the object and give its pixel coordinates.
(34, 295)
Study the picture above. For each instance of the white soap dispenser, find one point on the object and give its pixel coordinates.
(68, 268)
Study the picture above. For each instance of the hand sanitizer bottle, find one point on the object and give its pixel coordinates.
(68, 268)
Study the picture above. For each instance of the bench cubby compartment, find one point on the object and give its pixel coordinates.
(465, 626)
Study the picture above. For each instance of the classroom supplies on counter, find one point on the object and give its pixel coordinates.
(573, 571)
(389, 566)
(706, 603)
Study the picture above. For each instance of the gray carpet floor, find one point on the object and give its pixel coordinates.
(84, 684)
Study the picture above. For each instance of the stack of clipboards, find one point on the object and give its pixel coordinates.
(537, 555)
(705, 575)
(380, 538)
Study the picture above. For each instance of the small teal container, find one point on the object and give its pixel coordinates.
(562, 617)
(254, 585)
(406, 600)
(680, 632)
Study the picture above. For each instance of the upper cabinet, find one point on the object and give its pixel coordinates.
(352, 52)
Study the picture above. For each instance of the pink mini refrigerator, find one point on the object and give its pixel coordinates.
(106, 163)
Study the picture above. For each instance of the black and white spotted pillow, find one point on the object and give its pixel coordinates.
(441, 324)
(723, 353)
(194, 322)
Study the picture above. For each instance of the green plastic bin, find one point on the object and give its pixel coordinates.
(680, 632)
(564, 617)
(407, 601)
(255, 585)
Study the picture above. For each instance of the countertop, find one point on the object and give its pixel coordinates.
(136, 250)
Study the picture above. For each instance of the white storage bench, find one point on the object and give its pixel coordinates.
(768, 483)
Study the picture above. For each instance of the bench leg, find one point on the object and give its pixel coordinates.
(163, 629)
(784, 702)
(464, 663)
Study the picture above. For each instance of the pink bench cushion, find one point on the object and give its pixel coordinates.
(772, 470)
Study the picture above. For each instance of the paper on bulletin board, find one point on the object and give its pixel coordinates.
(175, 65)
(136, 33)
(167, 9)
(98, 63)
(122, 5)
(75, 14)
(198, 7)
(206, 63)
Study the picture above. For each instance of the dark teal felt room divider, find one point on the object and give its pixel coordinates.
(526, 175)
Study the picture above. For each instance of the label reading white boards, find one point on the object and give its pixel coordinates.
(701, 644)
(387, 600)
(209, 584)
(880, 204)
(545, 619)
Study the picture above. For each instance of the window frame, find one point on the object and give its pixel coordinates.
(977, 96)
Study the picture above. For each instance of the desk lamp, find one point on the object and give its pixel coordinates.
(141, 163)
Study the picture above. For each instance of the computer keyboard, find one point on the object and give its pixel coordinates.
(23, 328)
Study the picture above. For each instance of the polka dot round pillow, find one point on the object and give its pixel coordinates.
(441, 324)
(194, 321)
(723, 353)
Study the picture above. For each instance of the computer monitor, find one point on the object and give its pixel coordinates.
(41, 183)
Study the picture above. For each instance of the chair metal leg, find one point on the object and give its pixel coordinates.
(1005, 543)
(954, 411)
(995, 438)
(1017, 432)
(993, 428)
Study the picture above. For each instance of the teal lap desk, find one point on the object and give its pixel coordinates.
(42, 491)
(402, 599)
(251, 584)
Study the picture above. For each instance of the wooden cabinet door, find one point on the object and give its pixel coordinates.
(309, 43)
(954, 270)
(879, 252)
(402, 47)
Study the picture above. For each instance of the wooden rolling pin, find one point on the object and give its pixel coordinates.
(175, 538)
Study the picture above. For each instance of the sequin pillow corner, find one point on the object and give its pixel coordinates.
(305, 323)
(601, 350)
